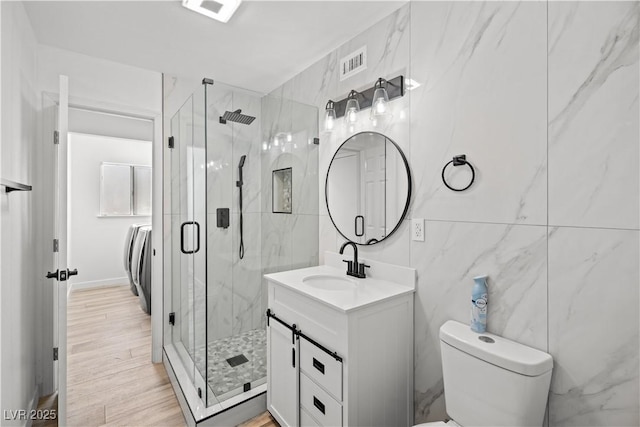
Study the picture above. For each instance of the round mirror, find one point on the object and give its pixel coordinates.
(368, 188)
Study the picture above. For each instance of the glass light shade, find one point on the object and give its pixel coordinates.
(351, 112)
(379, 105)
(329, 119)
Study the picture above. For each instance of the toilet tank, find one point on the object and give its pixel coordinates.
(492, 381)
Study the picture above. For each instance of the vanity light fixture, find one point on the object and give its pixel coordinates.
(376, 97)
(329, 116)
(220, 10)
(352, 109)
(379, 107)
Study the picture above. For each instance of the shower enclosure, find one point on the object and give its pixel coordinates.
(221, 235)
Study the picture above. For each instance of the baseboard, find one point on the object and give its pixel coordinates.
(116, 281)
(33, 406)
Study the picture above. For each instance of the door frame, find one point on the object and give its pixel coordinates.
(45, 227)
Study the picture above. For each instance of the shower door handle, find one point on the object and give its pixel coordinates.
(182, 248)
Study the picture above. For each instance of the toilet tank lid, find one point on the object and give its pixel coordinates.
(502, 352)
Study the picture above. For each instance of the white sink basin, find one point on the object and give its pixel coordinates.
(329, 282)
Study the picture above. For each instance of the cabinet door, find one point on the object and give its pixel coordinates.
(282, 374)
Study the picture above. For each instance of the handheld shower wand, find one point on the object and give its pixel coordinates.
(239, 184)
(240, 166)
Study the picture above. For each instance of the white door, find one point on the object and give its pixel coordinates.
(374, 194)
(62, 273)
(344, 193)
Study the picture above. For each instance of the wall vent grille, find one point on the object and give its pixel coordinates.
(353, 63)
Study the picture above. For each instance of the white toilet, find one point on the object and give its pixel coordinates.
(490, 380)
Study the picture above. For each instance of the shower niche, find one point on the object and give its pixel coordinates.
(281, 200)
(222, 233)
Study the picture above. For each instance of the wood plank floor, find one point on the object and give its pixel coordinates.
(111, 380)
(263, 420)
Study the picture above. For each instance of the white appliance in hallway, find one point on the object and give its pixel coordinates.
(129, 242)
(141, 266)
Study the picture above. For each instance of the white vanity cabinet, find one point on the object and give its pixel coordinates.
(339, 365)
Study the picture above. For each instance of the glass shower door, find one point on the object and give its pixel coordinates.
(187, 246)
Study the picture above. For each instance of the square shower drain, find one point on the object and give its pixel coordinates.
(237, 360)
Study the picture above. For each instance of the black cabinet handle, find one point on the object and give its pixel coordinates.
(73, 272)
(53, 275)
(182, 249)
(318, 404)
(293, 357)
(319, 366)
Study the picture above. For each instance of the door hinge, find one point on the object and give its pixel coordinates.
(55, 353)
(56, 245)
(172, 318)
(171, 142)
(56, 137)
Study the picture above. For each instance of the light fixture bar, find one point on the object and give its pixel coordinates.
(395, 89)
(220, 10)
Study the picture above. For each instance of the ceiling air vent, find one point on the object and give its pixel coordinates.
(353, 63)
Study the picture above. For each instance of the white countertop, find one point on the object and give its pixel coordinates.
(365, 292)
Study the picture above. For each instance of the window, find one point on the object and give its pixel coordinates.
(125, 190)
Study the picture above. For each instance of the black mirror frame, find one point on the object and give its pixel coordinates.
(409, 188)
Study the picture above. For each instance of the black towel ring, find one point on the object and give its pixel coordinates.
(459, 161)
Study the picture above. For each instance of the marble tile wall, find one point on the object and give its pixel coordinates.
(594, 210)
(290, 240)
(593, 114)
(543, 99)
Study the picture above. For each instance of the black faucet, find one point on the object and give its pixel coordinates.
(354, 268)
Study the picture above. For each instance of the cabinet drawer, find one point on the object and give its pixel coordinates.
(306, 420)
(324, 408)
(321, 367)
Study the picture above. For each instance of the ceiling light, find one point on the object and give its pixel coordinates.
(220, 10)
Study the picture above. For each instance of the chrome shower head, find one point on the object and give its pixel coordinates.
(237, 117)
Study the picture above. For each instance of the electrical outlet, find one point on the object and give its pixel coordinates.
(417, 229)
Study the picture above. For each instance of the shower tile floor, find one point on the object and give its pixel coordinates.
(223, 378)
